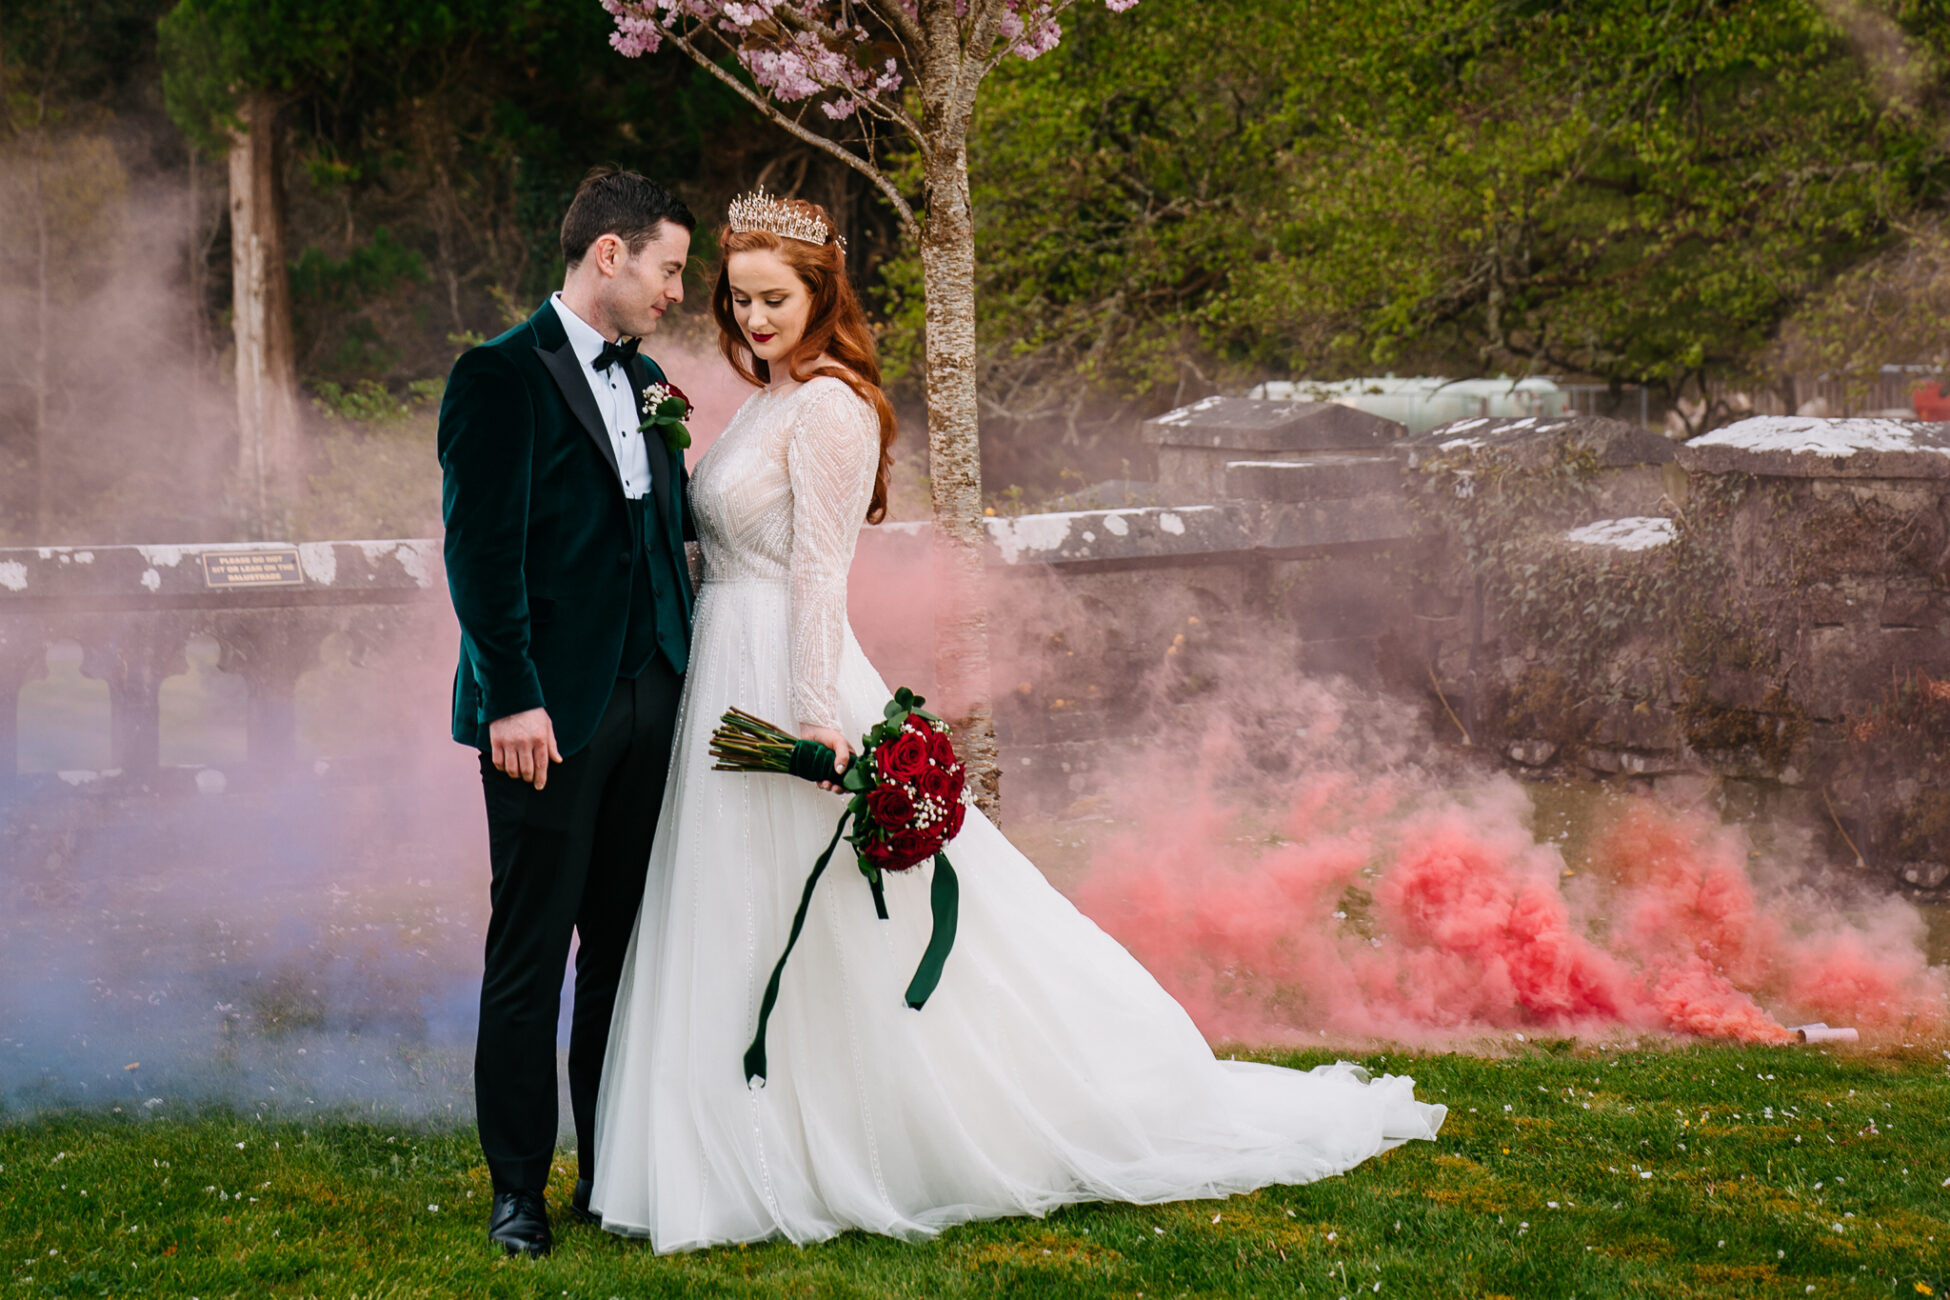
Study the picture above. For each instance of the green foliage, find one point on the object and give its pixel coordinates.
(58, 57)
(1594, 189)
(212, 50)
(349, 313)
(432, 152)
(370, 270)
(1114, 181)
(1889, 309)
(1533, 1189)
(1630, 192)
(371, 402)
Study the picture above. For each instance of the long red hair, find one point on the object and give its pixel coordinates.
(836, 328)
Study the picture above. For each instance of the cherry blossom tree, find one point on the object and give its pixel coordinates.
(892, 69)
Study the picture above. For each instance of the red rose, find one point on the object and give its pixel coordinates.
(903, 758)
(956, 812)
(890, 807)
(678, 393)
(910, 848)
(941, 749)
(939, 783)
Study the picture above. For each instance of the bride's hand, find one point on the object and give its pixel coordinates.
(833, 740)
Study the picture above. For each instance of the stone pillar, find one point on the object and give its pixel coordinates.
(1836, 538)
(133, 655)
(272, 648)
(23, 657)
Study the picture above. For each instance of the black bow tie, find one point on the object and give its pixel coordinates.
(612, 353)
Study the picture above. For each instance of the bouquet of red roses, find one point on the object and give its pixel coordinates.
(906, 787)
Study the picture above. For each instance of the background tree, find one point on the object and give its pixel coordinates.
(1890, 308)
(63, 195)
(1119, 182)
(912, 68)
(230, 68)
(378, 117)
(1171, 201)
(1199, 196)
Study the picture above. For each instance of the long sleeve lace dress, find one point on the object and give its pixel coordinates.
(1049, 1067)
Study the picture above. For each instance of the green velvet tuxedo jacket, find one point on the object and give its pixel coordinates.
(554, 573)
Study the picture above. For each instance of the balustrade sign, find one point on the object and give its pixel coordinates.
(262, 568)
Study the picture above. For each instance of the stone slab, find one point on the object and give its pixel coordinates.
(1803, 447)
(1242, 424)
(1162, 535)
(210, 574)
(1313, 478)
(1535, 440)
(1846, 599)
(1356, 521)
(1910, 604)
(1144, 533)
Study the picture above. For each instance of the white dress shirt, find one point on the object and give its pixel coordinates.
(615, 400)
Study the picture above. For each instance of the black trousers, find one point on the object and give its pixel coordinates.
(569, 858)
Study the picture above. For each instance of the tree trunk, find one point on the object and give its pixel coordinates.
(267, 372)
(199, 269)
(43, 382)
(961, 630)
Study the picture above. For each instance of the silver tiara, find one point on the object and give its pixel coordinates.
(775, 216)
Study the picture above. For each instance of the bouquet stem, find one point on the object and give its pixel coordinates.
(743, 743)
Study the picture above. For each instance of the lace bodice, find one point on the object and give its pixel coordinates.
(780, 497)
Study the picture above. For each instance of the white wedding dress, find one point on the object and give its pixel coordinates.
(1049, 1067)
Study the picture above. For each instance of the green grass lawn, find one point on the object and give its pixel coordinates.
(1562, 1171)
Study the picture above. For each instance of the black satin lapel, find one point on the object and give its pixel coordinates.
(567, 372)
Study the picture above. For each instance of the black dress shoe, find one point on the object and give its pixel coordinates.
(579, 1203)
(519, 1222)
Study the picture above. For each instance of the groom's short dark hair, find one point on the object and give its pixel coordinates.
(611, 201)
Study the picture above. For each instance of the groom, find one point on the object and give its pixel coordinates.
(565, 560)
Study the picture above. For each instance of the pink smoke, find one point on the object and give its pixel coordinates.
(1295, 856)
(1384, 910)
(695, 365)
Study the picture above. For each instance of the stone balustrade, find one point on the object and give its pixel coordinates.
(135, 610)
(1290, 544)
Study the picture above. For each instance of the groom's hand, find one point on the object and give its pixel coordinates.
(524, 744)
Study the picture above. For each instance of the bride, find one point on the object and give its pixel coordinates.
(1048, 1067)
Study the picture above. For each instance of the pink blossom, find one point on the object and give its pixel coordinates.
(1029, 28)
(790, 64)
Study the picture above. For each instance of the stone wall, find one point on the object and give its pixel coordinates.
(1779, 621)
(1766, 609)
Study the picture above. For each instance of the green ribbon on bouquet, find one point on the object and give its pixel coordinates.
(944, 901)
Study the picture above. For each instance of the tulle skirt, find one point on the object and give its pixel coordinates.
(1049, 1067)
